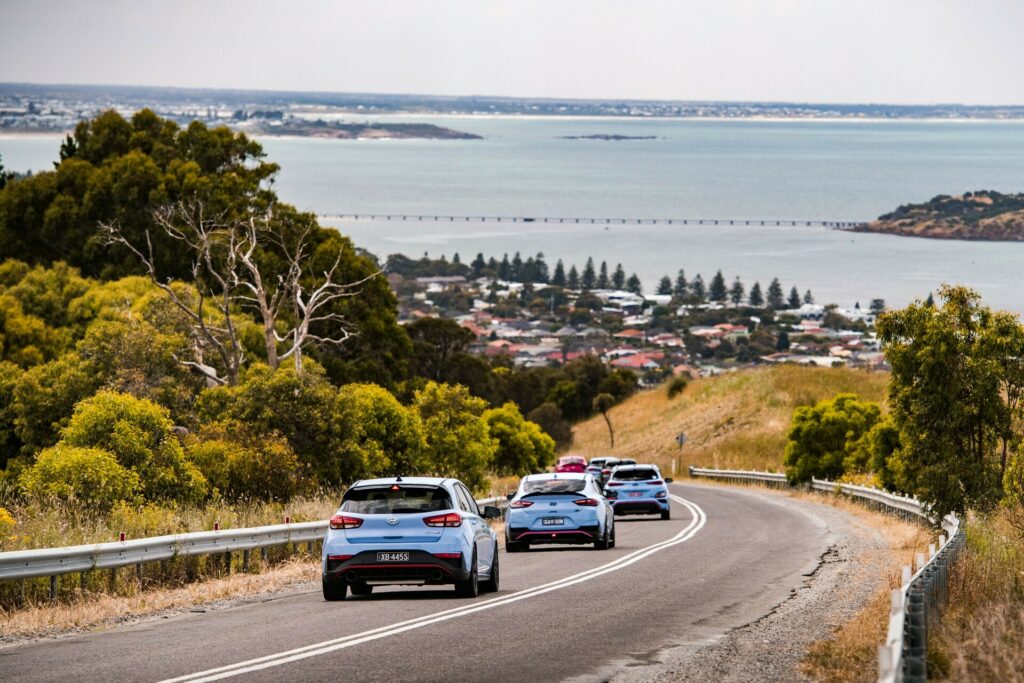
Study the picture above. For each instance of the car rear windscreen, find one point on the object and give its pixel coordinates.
(635, 475)
(542, 486)
(387, 500)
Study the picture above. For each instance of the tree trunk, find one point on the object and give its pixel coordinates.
(611, 433)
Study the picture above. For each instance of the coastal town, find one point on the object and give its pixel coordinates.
(686, 328)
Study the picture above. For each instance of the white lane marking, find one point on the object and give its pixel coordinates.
(281, 658)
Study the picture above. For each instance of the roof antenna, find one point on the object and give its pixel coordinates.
(398, 478)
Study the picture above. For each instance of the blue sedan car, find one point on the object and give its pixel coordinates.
(409, 531)
(564, 507)
(638, 490)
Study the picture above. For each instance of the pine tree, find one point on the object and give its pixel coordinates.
(478, 265)
(697, 288)
(782, 343)
(558, 279)
(542, 268)
(602, 278)
(619, 277)
(794, 298)
(665, 285)
(930, 301)
(492, 265)
(775, 297)
(633, 285)
(808, 297)
(736, 292)
(589, 277)
(456, 261)
(756, 298)
(682, 288)
(505, 269)
(573, 281)
(516, 271)
(877, 307)
(717, 291)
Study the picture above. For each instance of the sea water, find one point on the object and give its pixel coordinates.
(839, 170)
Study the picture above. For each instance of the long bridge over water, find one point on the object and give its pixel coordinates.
(443, 218)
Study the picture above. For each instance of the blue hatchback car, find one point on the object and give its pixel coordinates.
(638, 490)
(409, 531)
(565, 507)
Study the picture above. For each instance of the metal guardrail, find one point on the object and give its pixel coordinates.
(54, 562)
(917, 604)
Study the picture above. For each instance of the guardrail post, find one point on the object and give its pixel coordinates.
(227, 563)
(245, 560)
(53, 587)
(138, 572)
(263, 554)
(82, 581)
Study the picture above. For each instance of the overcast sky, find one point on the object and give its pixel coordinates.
(892, 51)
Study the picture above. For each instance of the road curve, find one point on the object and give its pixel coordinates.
(725, 559)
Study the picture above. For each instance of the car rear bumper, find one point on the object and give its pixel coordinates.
(583, 534)
(647, 506)
(423, 568)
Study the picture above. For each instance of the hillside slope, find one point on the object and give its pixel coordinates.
(981, 215)
(738, 420)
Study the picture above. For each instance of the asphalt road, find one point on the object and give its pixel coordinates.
(725, 559)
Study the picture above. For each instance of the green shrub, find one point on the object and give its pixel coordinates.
(822, 437)
(458, 443)
(523, 447)
(140, 435)
(301, 407)
(91, 475)
(379, 432)
(677, 385)
(242, 465)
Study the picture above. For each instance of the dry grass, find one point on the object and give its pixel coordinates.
(981, 635)
(88, 610)
(737, 420)
(850, 655)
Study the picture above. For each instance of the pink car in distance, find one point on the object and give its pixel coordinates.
(571, 463)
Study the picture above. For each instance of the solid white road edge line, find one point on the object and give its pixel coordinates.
(278, 659)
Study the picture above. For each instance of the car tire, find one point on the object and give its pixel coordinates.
(493, 581)
(667, 514)
(470, 588)
(604, 543)
(361, 589)
(611, 542)
(334, 590)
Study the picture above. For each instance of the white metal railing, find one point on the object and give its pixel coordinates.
(54, 562)
(924, 586)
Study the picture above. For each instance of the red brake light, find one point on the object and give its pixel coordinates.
(447, 519)
(449, 556)
(520, 503)
(588, 502)
(340, 558)
(657, 482)
(606, 470)
(614, 483)
(345, 522)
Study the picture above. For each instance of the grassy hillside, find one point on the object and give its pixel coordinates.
(738, 420)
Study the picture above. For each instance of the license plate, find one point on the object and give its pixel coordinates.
(636, 494)
(392, 557)
(552, 521)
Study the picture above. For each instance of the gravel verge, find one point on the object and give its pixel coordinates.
(771, 647)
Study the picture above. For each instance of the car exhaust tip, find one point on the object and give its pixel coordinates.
(435, 575)
(351, 576)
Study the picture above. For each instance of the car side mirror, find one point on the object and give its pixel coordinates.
(510, 496)
(491, 512)
(668, 480)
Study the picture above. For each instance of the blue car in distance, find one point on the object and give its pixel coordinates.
(420, 531)
(638, 490)
(565, 507)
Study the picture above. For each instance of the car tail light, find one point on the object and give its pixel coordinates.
(607, 470)
(340, 558)
(586, 502)
(447, 519)
(449, 556)
(614, 483)
(656, 482)
(520, 503)
(660, 494)
(345, 522)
